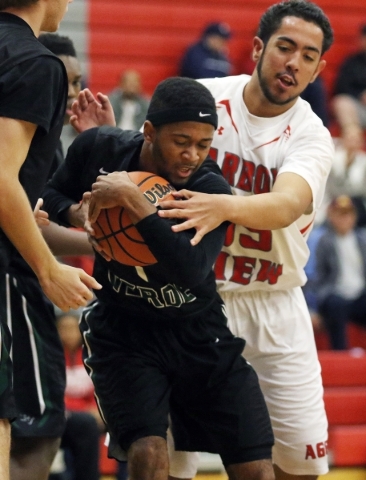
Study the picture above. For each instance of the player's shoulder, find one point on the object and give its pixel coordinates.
(123, 137)
(305, 121)
(223, 85)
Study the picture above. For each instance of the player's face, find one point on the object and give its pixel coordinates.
(290, 60)
(178, 149)
(55, 12)
(74, 78)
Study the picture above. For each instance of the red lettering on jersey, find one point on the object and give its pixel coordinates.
(229, 237)
(220, 266)
(245, 181)
(269, 272)
(226, 104)
(243, 270)
(262, 183)
(261, 240)
(220, 130)
(310, 452)
(213, 153)
(274, 172)
(230, 166)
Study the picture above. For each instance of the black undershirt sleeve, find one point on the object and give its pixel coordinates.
(65, 187)
(188, 265)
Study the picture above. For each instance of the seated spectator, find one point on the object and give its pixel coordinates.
(128, 103)
(340, 276)
(349, 102)
(84, 426)
(208, 58)
(316, 95)
(348, 173)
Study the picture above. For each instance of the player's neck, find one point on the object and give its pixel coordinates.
(30, 15)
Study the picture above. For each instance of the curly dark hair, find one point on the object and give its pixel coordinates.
(180, 92)
(57, 44)
(16, 3)
(272, 19)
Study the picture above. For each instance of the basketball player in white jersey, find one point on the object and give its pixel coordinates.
(276, 155)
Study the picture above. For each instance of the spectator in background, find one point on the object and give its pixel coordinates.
(349, 102)
(340, 271)
(208, 58)
(128, 103)
(348, 173)
(316, 95)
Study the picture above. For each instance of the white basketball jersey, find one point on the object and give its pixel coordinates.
(252, 151)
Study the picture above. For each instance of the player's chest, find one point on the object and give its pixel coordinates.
(247, 165)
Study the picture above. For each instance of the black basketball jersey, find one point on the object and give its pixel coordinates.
(182, 283)
(33, 88)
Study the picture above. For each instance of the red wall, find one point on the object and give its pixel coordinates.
(151, 36)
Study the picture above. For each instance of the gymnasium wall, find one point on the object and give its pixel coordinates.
(151, 36)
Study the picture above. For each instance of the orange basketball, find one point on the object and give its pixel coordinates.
(115, 232)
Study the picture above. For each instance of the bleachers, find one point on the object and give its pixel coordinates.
(152, 36)
(344, 379)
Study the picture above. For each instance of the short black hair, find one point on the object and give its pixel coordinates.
(181, 92)
(57, 44)
(271, 20)
(16, 3)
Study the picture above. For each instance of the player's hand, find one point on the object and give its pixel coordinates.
(68, 287)
(89, 111)
(200, 211)
(77, 213)
(108, 191)
(91, 237)
(40, 216)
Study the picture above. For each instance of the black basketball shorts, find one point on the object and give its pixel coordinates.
(38, 358)
(144, 370)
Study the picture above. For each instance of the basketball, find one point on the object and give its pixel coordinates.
(117, 235)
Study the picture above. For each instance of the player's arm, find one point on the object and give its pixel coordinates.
(66, 241)
(61, 240)
(117, 189)
(191, 265)
(290, 198)
(65, 286)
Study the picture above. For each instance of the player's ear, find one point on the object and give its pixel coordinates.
(149, 131)
(258, 47)
(320, 67)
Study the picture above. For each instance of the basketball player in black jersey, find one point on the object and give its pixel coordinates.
(32, 104)
(156, 340)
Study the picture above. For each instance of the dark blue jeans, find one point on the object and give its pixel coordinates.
(337, 312)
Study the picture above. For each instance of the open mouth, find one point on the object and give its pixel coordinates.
(287, 80)
(185, 171)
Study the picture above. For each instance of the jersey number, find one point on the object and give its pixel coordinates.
(259, 240)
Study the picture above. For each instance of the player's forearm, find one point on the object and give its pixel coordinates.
(21, 228)
(267, 211)
(65, 241)
(136, 204)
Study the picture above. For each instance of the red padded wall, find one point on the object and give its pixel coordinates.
(152, 36)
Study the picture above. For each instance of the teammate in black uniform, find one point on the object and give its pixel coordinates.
(37, 354)
(32, 104)
(156, 340)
